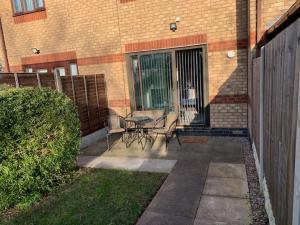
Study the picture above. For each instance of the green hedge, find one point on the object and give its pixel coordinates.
(39, 142)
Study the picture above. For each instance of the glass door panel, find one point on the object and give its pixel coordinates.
(156, 80)
(190, 86)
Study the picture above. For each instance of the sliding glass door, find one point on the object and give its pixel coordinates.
(151, 83)
(174, 80)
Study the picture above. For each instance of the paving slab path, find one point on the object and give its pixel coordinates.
(207, 184)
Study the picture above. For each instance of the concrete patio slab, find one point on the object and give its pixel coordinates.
(230, 148)
(190, 168)
(181, 192)
(227, 157)
(183, 206)
(197, 148)
(223, 210)
(230, 187)
(152, 218)
(134, 164)
(227, 170)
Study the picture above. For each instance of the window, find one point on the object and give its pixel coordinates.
(73, 69)
(42, 71)
(60, 71)
(39, 3)
(151, 81)
(28, 70)
(26, 6)
(61, 68)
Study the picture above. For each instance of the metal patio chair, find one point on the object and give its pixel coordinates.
(169, 129)
(115, 124)
(157, 121)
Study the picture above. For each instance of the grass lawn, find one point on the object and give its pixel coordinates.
(102, 197)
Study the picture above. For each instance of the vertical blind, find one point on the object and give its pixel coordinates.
(190, 86)
(22, 6)
(17, 6)
(39, 3)
(29, 5)
(151, 81)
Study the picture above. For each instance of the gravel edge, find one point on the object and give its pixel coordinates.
(257, 199)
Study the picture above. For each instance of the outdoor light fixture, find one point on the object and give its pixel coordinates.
(173, 27)
(35, 51)
(231, 54)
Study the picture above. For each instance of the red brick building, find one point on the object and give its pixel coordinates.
(191, 55)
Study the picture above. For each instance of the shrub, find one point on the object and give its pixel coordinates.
(39, 142)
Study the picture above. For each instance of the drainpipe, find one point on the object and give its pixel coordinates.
(258, 19)
(3, 46)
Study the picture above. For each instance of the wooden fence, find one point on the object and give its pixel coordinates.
(275, 84)
(88, 92)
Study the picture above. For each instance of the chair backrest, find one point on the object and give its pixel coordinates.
(171, 122)
(115, 122)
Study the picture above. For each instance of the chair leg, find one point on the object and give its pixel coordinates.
(178, 138)
(167, 141)
(107, 141)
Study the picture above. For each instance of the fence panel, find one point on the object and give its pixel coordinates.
(88, 92)
(280, 98)
(8, 79)
(28, 80)
(47, 80)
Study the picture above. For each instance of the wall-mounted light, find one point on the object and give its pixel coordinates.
(35, 51)
(173, 27)
(230, 54)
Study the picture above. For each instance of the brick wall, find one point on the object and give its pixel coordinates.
(229, 115)
(272, 10)
(102, 31)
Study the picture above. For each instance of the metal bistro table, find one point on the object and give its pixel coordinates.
(139, 133)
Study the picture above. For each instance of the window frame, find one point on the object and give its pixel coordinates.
(131, 78)
(24, 11)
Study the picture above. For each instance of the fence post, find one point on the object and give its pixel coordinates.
(97, 95)
(296, 203)
(58, 82)
(87, 101)
(261, 117)
(73, 89)
(17, 80)
(38, 80)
